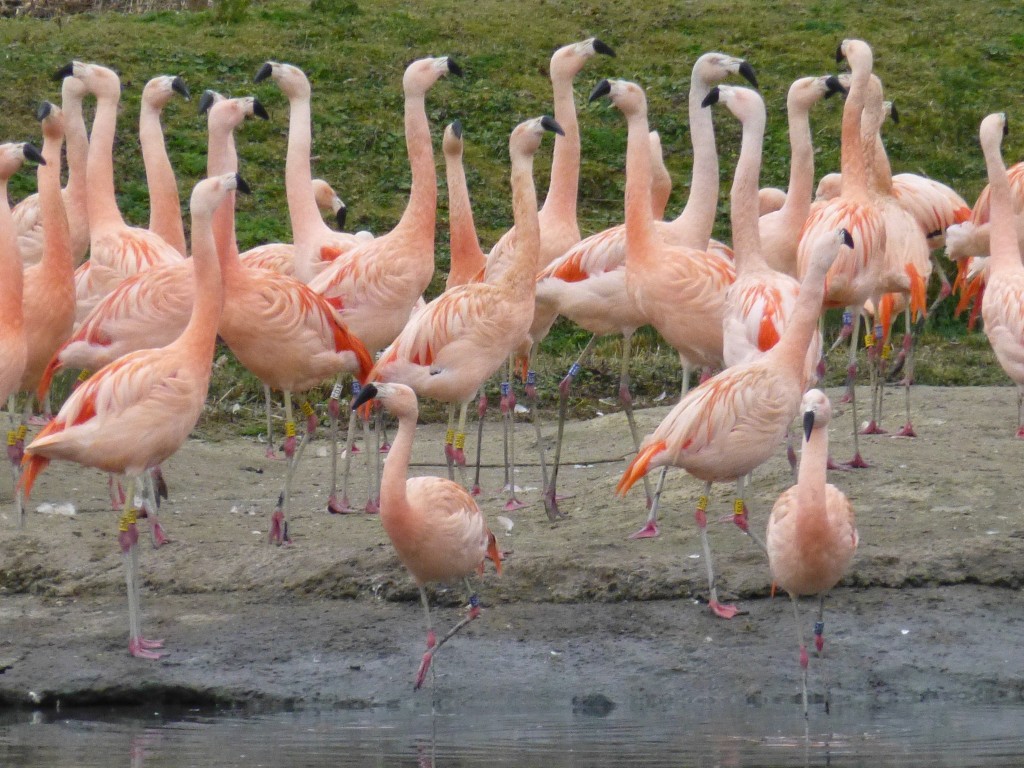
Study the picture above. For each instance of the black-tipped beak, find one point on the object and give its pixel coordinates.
(549, 124)
(178, 86)
(341, 215)
(43, 111)
(808, 424)
(894, 114)
(711, 98)
(600, 47)
(259, 110)
(748, 72)
(66, 71)
(366, 394)
(242, 185)
(457, 128)
(206, 101)
(454, 68)
(839, 53)
(847, 239)
(833, 85)
(601, 89)
(33, 154)
(264, 72)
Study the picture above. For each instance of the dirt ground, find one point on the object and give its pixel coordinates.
(931, 609)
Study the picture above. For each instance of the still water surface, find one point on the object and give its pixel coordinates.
(928, 735)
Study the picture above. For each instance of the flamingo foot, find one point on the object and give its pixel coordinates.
(1020, 433)
(385, 447)
(342, 507)
(513, 504)
(271, 453)
(873, 429)
(159, 537)
(141, 648)
(857, 462)
(741, 522)
(907, 431)
(831, 464)
(421, 674)
(551, 505)
(372, 507)
(649, 531)
(475, 490)
(459, 457)
(847, 396)
(722, 610)
(289, 446)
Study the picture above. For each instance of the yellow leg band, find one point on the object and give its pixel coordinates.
(449, 437)
(869, 339)
(738, 508)
(127, 520)
(12, 437)
(460, 440)
(289, 429)
(84, 375)
(306, 408)
(22, 431)
(702, 503)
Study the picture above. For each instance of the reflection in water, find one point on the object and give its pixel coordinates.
(924, 735)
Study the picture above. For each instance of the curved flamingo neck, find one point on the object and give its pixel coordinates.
(811, 477)
(298, 176)
(1003, 244)
(393, 498)
(467, 259)
(746, 241)
(563, 189)
(77, 140)
(221, 158)
(697, 220)
(421, 210)
(200, 335)
(661, 181)
(164, 204)
(854, 172)
(520, 276)
(790, 351)
(639, 224)
(797, 206)
(11, 267)
(877, 161)
(102, 201)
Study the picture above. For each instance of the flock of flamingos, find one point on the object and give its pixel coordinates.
(144, 318)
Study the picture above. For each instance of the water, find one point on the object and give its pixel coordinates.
(927, 735)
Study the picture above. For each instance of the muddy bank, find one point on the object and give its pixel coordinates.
(930, 611)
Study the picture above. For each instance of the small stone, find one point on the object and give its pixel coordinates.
(593, 704)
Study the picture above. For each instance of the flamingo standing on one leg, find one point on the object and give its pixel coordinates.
(732, 423)
(154, 395)
(1004, 291)
(49, 286)
(811, 537)
(435, 525)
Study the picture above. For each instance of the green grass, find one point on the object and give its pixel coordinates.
(945, 65)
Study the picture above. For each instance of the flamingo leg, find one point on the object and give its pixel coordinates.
(374, 462)
(1020, 409)
(481, 411)
(719, 609)
(459, 455)
(550, 492)
(15, 451)
(650, 528)
(626, 398)
(739, 516)
(873, 344)
(433, 648)
(819, 645)
(278, 521)
(857, 462)
(449, 442)
(156, 530)
(342, 506)
(803, 651)
(908, 378)
(508, 410)
(128, 537)
(271, 451)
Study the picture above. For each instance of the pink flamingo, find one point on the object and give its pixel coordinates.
(467, 259)
(811, 536)
(116, 250)
(732, 423)
(13, 343)
(49, 286)
(1004, 291)
(449, 348)
(435, 525)
(375, 285)
(156, 395)
(27, 213)
(316, 244)
(559, 229)
(855, 275)
(164, 204)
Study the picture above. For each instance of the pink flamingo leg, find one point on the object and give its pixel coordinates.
(721, 610)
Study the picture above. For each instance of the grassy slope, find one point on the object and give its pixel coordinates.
(945, 64)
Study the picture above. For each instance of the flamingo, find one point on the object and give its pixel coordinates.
(116, 251)
(156, 395)
(449, 348)
(1004, 291)
(316, 244)
(13, 343)
(811, 536)
(49, 286)
(559, 229)
(375, 285)
(27, 212)
(779, 230)
(435, 525)
(854, 276)
(733, 422)
(164, 204)
(467, 259)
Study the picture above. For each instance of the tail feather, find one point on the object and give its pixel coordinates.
(918, 292)
(493, 553)
(32, 464)
(639, 466)
(47, 379)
